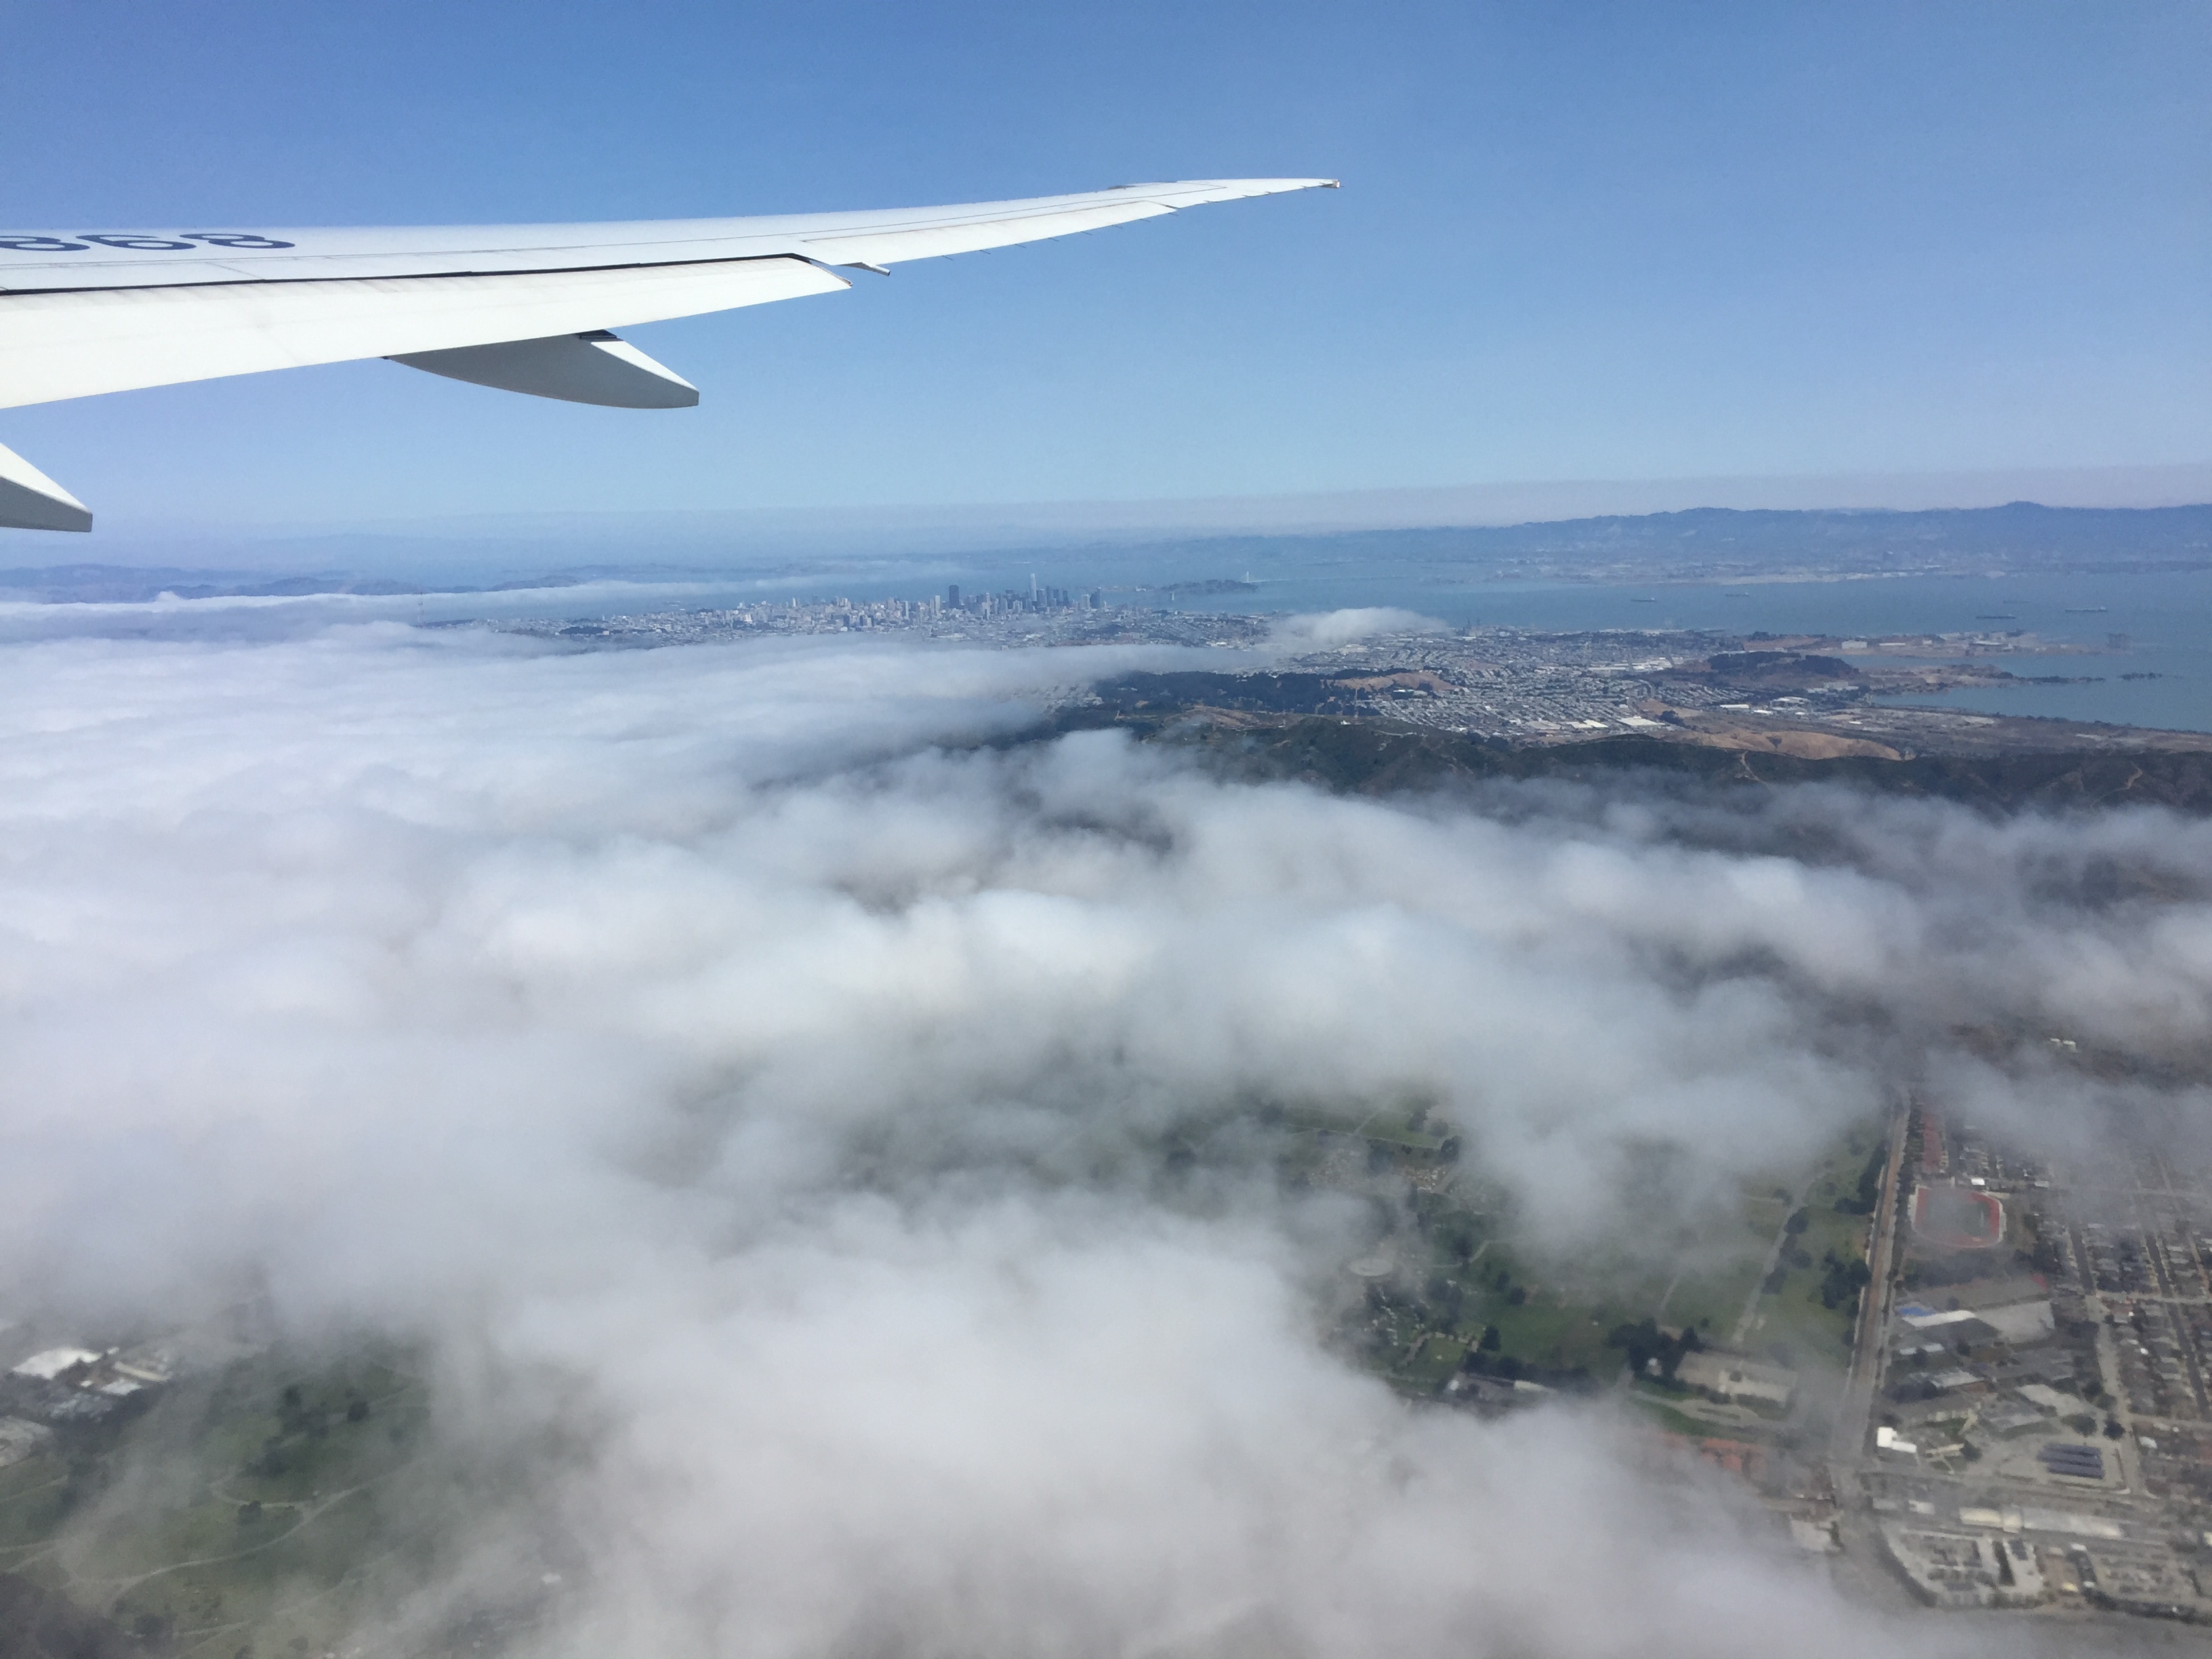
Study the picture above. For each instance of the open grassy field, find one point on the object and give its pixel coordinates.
(35, 1500)
(246, 1512)
(1460, 1272)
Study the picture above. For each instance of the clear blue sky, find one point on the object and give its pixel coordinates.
(1574, 241)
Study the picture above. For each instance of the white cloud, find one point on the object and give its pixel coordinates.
(1319, 630)
(717, 1030)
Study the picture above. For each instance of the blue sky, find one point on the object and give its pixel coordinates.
(1575, 241)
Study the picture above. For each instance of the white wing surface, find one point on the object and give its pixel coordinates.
(523, 308)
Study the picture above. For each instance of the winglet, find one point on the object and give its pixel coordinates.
(29, 499)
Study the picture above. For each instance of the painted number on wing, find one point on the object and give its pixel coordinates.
(184, 241)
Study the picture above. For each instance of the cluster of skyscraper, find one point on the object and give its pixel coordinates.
(1012, 599)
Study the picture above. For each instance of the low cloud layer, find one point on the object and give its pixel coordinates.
(736, 1060)
(1319, 630)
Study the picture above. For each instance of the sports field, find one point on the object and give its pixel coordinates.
(1956, 1218)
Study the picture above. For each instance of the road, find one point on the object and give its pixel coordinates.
(1848, 1443)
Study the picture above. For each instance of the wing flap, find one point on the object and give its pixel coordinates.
(79, 344)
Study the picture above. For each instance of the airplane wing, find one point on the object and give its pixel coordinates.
(523, 308)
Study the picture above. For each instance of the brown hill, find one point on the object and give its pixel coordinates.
(1374, 757)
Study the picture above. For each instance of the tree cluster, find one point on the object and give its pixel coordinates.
(295, 1416)
(1644, 1342)
(1870, 1187)
(1842, 1281)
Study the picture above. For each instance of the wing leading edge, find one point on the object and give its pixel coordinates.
(523, 308)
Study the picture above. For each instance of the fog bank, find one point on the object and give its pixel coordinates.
(752, 1066)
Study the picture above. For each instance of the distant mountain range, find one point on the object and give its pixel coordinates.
(116, 584)
(1721, 542)
(1707, 542)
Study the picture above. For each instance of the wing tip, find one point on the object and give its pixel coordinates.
(1272, 186)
